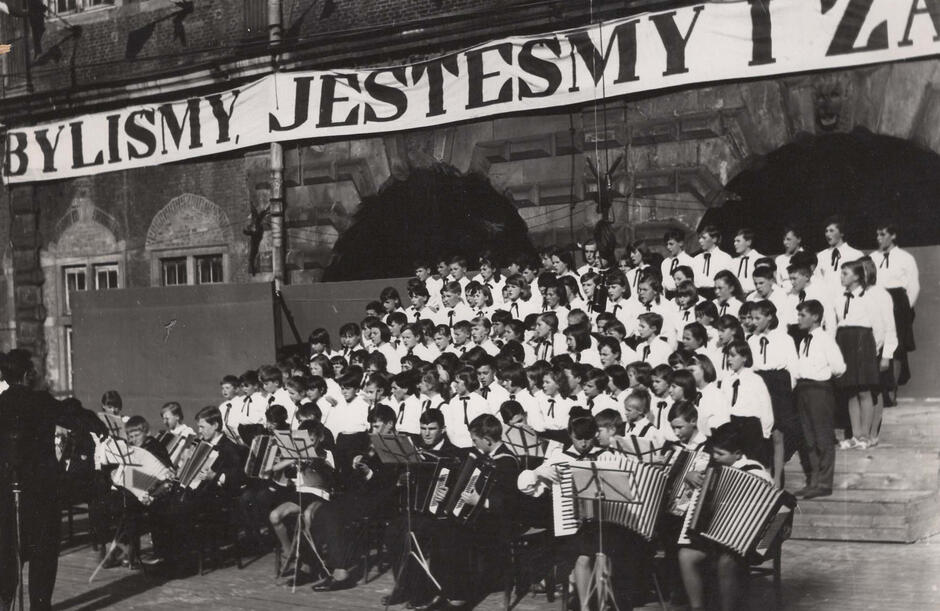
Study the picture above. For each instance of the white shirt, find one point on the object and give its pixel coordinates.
(829, 264)
(434, 286)
(495, 396)
(778, 351)
(183, 430)
(495, 286)
(456, 419)
(732, 306)
(669, 264)
(708, 263)
(667, 309)
(654, 351)
(899, 270)
(449, 316)
(626, 312)
(659, 411)
(347, 418)
(546, 349)
(519, 309)
(488, 346)
(863, 309)
(752, 398)
(743, 268)
(645, 429)
(587, 356)
(818, 292)
(554, 410)
(819, 357)
(604, 401)
(409, 414)
(427, 402)
(392, 359)
(882, 297)
(713, 409)
(782, 276)
(414, 314)
(633, 277)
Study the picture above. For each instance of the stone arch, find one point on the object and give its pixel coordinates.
(187, 221)
(84, 230)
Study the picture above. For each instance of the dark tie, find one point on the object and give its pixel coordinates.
(512, 396)
(590, 403)
(616, 307)
(836, 255)
(848, 300)
(708, 262)
(649, 306)
(228, 408)
(401, 412)
(425, 405)
(450, 318)
(802, 296)
(551, 408)
(515, 309)
(636, 279)
(806, 343)
(466, 420)
(577, 357)
(485, 391)
(724, 309)
(411, 351)
(734, 392)
(673, 265)
(480, 314)
(884, 263)
(742, 265)
(724, 360)
(395, 343)
(646, 353)
(763, 348)
(659, 416)
(685, 315)
(698, 398)
(271, 400)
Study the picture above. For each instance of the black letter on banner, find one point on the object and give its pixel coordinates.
(48, 148)
(541, 68)
(762, 42)
(78, 152)
(114, 127)
(385, 93)
(673, 41)
(17, 150)
(933, 8)
(141, 134)
(328, 99)
(850, 26)
(625, 35)
(169, 121)
(223, 117)
(476, 76)
(301, 107)
(435, 69)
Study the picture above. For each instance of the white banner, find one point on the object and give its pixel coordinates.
(697, 44)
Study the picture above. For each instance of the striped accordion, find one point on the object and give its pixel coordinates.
(678, 491)
(737, 511)
(640, 515)
(474, 473)
(177, 446)
(261, 456)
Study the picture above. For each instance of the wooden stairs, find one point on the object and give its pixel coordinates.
(887, 493)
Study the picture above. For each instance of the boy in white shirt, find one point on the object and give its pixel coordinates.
(674, 239)
(637, 409)
(652, 349)
(746, 257)
(839, 252)
(710, 261)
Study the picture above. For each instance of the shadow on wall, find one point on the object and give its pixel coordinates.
(435, 212)
(865, 177)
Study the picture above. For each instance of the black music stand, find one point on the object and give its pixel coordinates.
(526, 444)
(397, 449)
(115, 425)
(121, 455)
(597, 484)
(298, 447)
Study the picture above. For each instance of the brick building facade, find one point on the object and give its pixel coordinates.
(183, 223)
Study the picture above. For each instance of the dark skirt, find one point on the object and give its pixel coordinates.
(786, 419)
(861, 359)
(903, 320)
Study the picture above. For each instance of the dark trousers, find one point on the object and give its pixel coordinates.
(816, 404)
(39, 527)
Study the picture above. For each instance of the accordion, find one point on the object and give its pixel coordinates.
(142, 473)
(176, 446)
(678, 491)
(640, 515)
(261, 456)
(475, 475)
(736, 510)
(196, 466)
(434, 476)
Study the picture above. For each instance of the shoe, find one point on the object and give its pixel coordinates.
(861, 444)
(817, 492)
(390, 600)
(802, 491)
(435, 603)
(873, 442)
(334, 585)
(151, 560)
(848, 444)
(113, 559)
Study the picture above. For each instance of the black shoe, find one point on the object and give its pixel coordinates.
(817, 492)
(802, 491)
(390, 600)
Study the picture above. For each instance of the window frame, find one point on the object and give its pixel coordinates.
(157, 256)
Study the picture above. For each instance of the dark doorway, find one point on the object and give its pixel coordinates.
(435, 212)
(865, 177)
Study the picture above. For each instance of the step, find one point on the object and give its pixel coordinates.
(869, 515)
(880, 469)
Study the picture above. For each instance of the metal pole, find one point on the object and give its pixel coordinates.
(29, 74)
(277, 160)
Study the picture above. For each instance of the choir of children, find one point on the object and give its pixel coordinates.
(745, 357)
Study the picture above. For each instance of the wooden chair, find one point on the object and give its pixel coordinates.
(757, 566)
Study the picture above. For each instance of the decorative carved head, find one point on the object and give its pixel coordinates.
(831, 99)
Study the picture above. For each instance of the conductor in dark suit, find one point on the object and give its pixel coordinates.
(27, 458)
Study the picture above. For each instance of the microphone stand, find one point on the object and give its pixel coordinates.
(17, 535)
